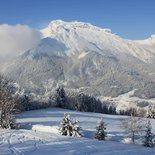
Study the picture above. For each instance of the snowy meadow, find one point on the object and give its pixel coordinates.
(38, 134)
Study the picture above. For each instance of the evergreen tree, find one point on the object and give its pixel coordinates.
(148, 138)
(66, 128)
(77, 129)
(26, 103)
(100, 133)
(61, 97)
(81, 103)
(69, 127)
(112, 110)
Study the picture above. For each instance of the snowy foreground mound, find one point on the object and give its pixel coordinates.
(44, 139)
(48, 129)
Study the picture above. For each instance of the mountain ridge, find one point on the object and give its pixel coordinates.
(95, 36)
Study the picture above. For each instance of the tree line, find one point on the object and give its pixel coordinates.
(12, 102)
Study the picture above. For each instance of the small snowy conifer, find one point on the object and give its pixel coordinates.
(148, 138)
(100, 133)
(60, 97)
(77, 129)
(66, 125)
(69, 127)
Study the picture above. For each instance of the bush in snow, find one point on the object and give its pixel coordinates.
(69, 127)
(148, 138)
(100, 130)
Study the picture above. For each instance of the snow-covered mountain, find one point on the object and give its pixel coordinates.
(79, 36)
(82, 56)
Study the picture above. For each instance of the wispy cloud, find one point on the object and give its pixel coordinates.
(17, 39)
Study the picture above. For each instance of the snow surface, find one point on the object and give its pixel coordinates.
(26, 141)
(48, 129)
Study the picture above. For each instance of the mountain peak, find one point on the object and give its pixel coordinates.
(81, 37)
(60, 25)
(71, 24)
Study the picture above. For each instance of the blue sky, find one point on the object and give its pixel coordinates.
(131, 19)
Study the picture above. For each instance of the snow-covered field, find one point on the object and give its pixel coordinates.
(45, 140)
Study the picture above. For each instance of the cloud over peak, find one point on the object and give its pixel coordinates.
(15, 39)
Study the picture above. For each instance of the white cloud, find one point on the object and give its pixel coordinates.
(17, 39)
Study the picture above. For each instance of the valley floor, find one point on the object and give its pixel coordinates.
(28, 142)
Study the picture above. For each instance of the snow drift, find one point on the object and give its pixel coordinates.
(43, 128)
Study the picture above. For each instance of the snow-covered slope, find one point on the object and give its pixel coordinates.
(47, 45)
(147, 45)
(80, 55)
(26, 141)
(149, 42)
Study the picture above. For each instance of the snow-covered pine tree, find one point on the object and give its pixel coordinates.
(77, 130)
(100, 130)
(148, 138)
(60, 97)
(66, 127)
(25, 102)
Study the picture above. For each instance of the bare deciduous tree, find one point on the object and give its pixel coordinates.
(9, 103)
(133, 126)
